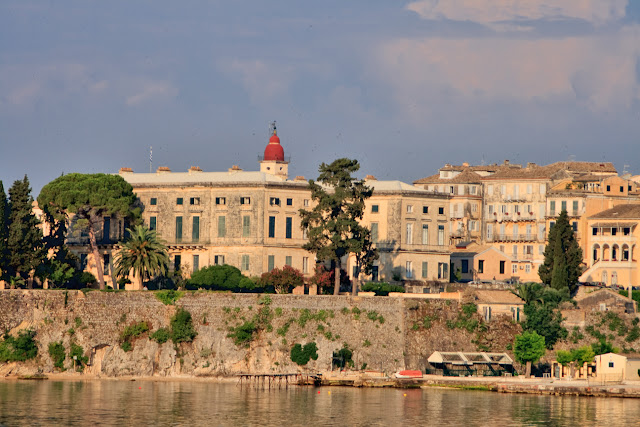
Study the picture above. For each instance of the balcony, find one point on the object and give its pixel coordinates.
(512, 238)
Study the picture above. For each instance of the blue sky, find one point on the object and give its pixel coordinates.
(404, 87)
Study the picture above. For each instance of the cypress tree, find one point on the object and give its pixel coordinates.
(562, 256)
(4, 232)
(24, 242)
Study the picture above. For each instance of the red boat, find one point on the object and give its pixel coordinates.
(408, 374)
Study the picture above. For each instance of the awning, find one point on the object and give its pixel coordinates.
(464, 358)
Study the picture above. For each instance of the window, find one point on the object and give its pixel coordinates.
(218, 260)
(490, 189)
(305, 265)
(529, 188)
(441, 210)
(305, 234)
(611, 364)
(608, 188)
(245, 200)
(543, 188)
(178, 228)
(502, 263)
(614, 231)
(452, 189)
(244, 264)
(196, 263)
(221, 201)
(179, 201)
(374, 208)
(574, 225)
(177, 261)
(287, 260)
(246, 226)
(270, 262)
(441, 235)
(425, 269)
(474, 207)
(504, 209)
(289, 202)
(274, 201)
(152, 223)
(409, 269)
(409, 236)
(306, 203)
(489, 232)
(490, 208)
(374, 232)
(272, 226)
(465, 266)
(195, 229)
(153, 201)
(541, 232)
(541, 249)
(222, 226)
(472, 189)
(594, 231)
(527, 268)
(425, 209)
(626, 231)
(575, 207)
(621, 189)
(552, 207)
(425, 234)
(514, 268)
(409, 208)
(563, 204)
(194, 201)
(551, 224)
(374, 273)
(105, 263)
(481, 266)
(443, 270)
(503, 190)
(288, 223)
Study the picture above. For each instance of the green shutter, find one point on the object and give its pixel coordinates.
(289, 222)
(246, 226)
(178, 228)
(272, 226)
(222, 229)
(425, 269)
(270, 262)
(195, 230)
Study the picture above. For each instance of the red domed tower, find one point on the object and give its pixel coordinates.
(273, 161)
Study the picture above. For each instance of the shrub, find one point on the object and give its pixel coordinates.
(634, 334)
(222, 278)
(282, 280)
(77, 352)
(126, 346)
(169, 297)
(57, 353)
(243, 334)
(130, 332)
(20, 348)
(381, 288)
(182, 329)
(301, 355)
(161, 336)
(343, 357)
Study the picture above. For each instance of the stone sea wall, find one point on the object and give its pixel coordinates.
(384, 333)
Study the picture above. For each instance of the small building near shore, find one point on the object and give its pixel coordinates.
(463, 364)
(617, 368)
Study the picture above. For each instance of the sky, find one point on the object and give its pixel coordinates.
(403, 86)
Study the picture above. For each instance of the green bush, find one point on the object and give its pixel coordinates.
(57, 353)
(182, 329)
(381, 288)
(78, 352)
(20, 348)
(169, 297)
(634, 334)
(343, 357)
(222, 278)
(131, 332)
(161, 336)
(301, 355)
(243, 334)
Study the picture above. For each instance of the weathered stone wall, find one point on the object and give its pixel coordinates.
(379, 330)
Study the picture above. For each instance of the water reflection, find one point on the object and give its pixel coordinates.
(197, 403)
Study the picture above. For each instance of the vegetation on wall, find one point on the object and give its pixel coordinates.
(302, 354)
(169, 297)
(182, 329)
(57, 353)
(20, 348)
(130, 333)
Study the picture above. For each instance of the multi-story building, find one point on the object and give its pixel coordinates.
(409, 226)
(612, 244)
(250, 219)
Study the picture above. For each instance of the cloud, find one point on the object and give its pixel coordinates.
(597, 72)
(152, 90)
(263, 81)
(497, 14)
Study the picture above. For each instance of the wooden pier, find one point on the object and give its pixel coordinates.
(268, 381)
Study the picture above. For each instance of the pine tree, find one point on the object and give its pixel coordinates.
(24, 241)
(4, 232)
(562, 257)
(333, 224)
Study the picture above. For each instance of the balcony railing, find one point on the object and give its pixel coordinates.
(512, 238)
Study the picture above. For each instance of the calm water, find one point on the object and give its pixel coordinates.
(47, 403)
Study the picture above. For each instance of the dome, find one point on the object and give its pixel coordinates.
(274, 150)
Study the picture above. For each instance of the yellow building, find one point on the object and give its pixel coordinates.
(612, 245)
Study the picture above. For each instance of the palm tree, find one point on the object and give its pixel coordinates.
(143, 253)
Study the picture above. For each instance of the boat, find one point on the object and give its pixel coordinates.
(408, 373)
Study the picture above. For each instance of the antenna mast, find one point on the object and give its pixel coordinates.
(150, 159)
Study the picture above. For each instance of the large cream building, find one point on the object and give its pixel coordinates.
(249, 219)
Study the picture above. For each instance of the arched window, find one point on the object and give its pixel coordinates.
(614, 278)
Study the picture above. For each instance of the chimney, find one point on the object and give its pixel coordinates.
(125, 170)
(163, 169)
(531, 165)
(506, 162)
(370, 178)
(465, 164)
(194, 169)
(300, 178)
(235, 168)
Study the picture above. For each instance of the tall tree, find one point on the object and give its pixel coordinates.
(4, 232)
(562, 257)
(144, 254)
(529, 348)
(89, 198)
(24, 241)
(333, 224)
